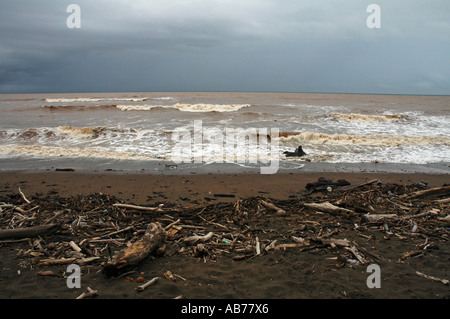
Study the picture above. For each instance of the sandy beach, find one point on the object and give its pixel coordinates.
(291, 272)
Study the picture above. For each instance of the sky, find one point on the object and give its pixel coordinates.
(225, 45)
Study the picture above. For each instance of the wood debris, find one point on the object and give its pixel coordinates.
(103, 231)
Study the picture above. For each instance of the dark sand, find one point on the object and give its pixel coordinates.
(282, 274)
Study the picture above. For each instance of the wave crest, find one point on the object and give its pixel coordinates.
(367, 140)
(88, 99)
(187, 107)
(369, 118)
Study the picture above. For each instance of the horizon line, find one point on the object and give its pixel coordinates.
(225, 91)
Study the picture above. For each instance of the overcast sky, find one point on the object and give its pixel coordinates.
(225, 45)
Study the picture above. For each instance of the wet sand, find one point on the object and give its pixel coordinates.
(280, 275)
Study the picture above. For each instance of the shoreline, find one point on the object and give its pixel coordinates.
(142, 187)
(164, 167)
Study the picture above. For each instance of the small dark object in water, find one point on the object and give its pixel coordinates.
(64, 169)
(298, 152)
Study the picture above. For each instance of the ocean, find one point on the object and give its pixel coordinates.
(164, 131)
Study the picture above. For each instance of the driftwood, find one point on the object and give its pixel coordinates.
(23, 196)
(278, 210)
(357, 254)
(88, 293)
(193, 239)
(158, 209)
(380, 218)
(27, 232)
(329, 208)
(65, 261)
(137, 252)
(444, 281)
(147, 284)
(437, 191)
(355, 186)
(332, 242)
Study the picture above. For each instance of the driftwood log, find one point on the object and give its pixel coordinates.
(279, 211)
(329, 208)
(137, 252)
(432, 192)
(27, 232)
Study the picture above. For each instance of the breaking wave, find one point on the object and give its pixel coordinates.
(61, 132)
(367, 140)
(90, 131)
(88, 99)
(76, 107)
(187, 107)
(58, 151)
(369, 118)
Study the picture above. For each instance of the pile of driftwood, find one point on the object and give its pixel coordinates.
(103, 230)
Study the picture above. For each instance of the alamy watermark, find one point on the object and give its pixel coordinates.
(74, 279)
(374, 19)
(229, 145)
(374, 279)
(74, 19)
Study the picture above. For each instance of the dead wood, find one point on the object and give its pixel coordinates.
(88, 293)
(355, 186)
(137, 252)
(147, 284)
(28, 232)
(193, 239)
(278, 210)
(329, 208)
(357, 254)
(153, 209)
(23, 196)
(443, 281)
(433, 192)
(332, 242)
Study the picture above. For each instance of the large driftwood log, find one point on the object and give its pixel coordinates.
(27, 232)
(137, 252)
(432, 192)
(329, 208)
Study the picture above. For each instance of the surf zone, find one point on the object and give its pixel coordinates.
(228, 145)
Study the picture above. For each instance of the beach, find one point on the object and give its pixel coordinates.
(96, 170)
(288, 273)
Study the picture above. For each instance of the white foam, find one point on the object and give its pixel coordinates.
(187, 107)
(367, 140)
(87, 99)
(369, 117)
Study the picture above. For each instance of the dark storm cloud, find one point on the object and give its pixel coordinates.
(207, 45)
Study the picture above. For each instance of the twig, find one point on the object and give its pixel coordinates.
(195, 238)
(74, 246)
(88, 293)
(216, 224)
(137, 207)
(278, 210)
(172, 224)
(444, 281)
(258, 246)
(148, 283)
(357, 254)
(23, 196)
